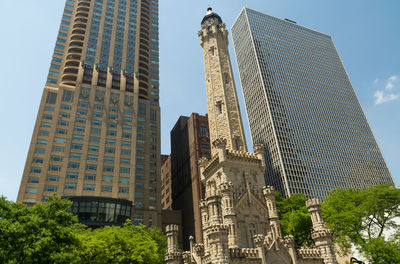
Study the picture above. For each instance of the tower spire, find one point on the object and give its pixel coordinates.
(224, 117)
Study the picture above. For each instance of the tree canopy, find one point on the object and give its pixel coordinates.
(295, 219)
(48, 233)
(365, 218)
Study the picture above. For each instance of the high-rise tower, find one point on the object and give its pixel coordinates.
(97, 129)
(222, 103)
(302, 106)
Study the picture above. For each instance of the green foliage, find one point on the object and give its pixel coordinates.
(360, 217)
(295, 219)
(127, 244)
(45, 233)
(48, 233)
(379, 251)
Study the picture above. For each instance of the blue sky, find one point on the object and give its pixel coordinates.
(366, 34)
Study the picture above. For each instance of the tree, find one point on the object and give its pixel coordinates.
(362, 217)
(295, 219)
(379, 251)
(127, 244)
(45, 233)
(48, 233)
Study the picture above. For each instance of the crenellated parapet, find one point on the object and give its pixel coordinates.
(173, 258)
(199, 250)
(187, 257)
(288, 242)
(324, 233)
(217, 229)
(226, 187)
(259, 240)
(248, 253)
(211, 30)
(309, 253)
(239, 155)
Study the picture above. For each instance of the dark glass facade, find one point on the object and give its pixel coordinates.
(100, 211)
(302, 106)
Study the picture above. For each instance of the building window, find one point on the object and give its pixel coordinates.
(36, 170)
(153, 115)
(42, 142)
(252, 232)
(51, 98)
(123, 189)
(74, 155)
(31, 190)
(56, 158)
(50, 188)
(52, 178)
(90, 177)
(108, 168)
(40, 151)
(124, 170)
(72, 175)
(37, 160)
(73, 165)
(70, 186)
(76, 146)
(54, 168)
(106, 188)
(91, 167)
(219, 107)
(89, 187)
(142, 109)
(93, 148)
(124, 180)
(108, 178)
(68, 96)
(33, 180)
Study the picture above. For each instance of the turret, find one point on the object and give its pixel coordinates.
(228, 213)
(173, 256)
(321, 235)
(269, 196)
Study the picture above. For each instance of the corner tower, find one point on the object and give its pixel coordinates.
(222, 103)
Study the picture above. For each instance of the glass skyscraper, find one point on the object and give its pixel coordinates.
(97, 133)
(302, 106)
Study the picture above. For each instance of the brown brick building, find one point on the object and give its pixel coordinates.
(189, 142)
(166, 192)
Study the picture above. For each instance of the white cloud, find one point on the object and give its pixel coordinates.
(388, 93)
(381, 97)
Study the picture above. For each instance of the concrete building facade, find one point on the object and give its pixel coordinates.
(97, 131)
(240, 223)
(302, 107)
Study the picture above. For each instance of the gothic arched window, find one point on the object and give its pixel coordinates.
(252, 232)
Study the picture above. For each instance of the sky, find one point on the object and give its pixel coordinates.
(365, 32)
